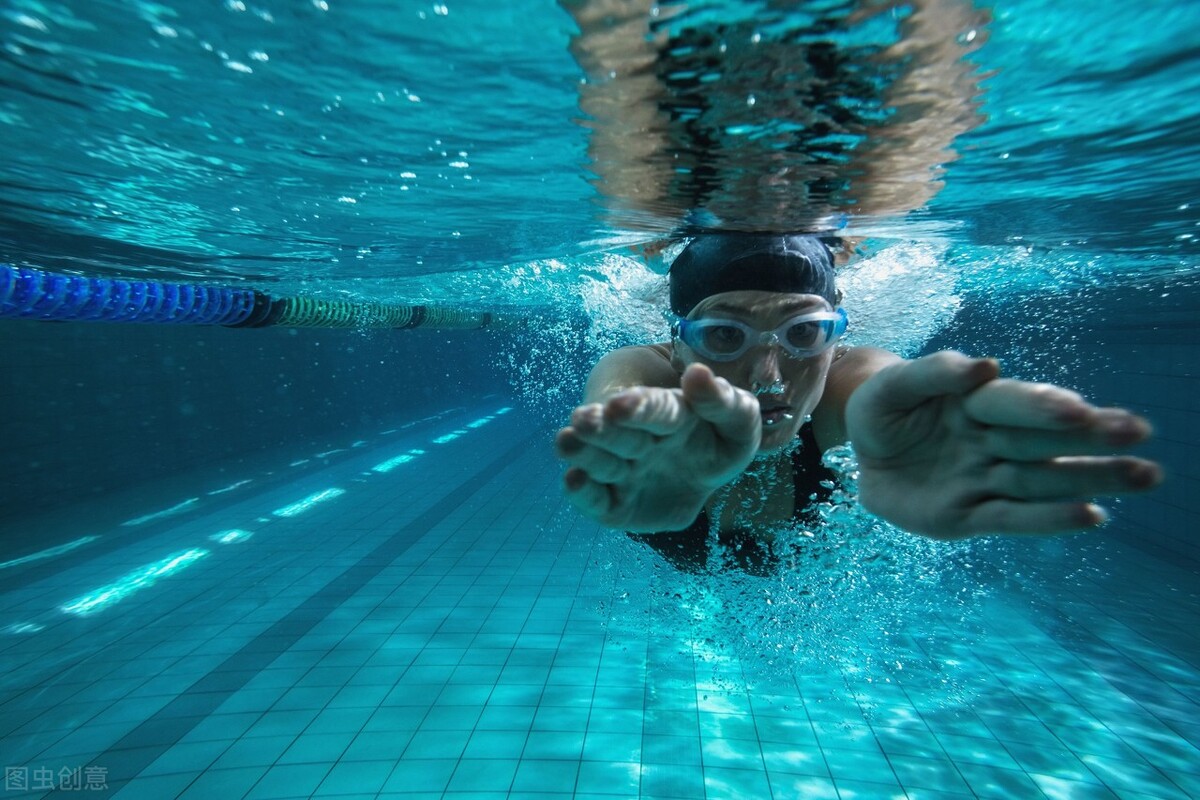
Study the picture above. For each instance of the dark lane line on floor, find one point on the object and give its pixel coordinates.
(125, 759)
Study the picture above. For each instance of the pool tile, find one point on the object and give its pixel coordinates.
(483, 775)
(259, 751)
(515, 696)
(560, 718)
(1130, 776)
(1056, 788)
(797, 759)
(151, 786)
(563, 695)
(725, 782)
(727, 726)
(223, 783)
(436, 744)
(680, 751)
(615, 720)
(612, 746)
(973, 750)
(740, 754)
(554, 745)
(1059, 762)
(935, 794)
(289, 780)
(189, 757)
(671, 723)
(990, 781)
(609, 777)
(356, 776)
(1189, 782)
(404, 718)
(342, 720)
(506, 718)
(908, 742)
(495, 744)
(859, 765)
(535, 775)
(939, 774)
(465, 694)
(371, 746)
(846, 735)
(420, 775)
(863, 790)
(452, 718)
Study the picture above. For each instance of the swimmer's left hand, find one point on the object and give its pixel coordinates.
(948, 449)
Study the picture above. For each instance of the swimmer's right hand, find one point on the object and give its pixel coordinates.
(648, 458)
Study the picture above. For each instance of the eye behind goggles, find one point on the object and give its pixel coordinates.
(802, 336)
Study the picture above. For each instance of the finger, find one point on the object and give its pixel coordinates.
(733, 412)
(591, 497)
(1028, 405)
(1015, 516)
(598, 463)
(910, 383)
(591, 425)
(650, 410)
(1073, 478)
(567, 443)
(1110, 429)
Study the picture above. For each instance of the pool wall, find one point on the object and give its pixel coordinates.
(88, 408)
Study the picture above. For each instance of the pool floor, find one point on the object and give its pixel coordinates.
(420, 615)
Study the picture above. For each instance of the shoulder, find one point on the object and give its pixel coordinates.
(851, 367)
(640, 365)
(855, 364)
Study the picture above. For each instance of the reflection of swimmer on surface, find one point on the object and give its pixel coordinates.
(702, 430)
(783, 120)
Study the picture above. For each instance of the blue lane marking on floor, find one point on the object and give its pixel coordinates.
(144, 744)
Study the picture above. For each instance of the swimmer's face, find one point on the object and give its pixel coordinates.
(788, 389)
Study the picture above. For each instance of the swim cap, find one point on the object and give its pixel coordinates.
(769, 262)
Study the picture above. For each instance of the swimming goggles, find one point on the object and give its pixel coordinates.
(803, 336)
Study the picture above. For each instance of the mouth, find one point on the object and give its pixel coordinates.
(776, 414)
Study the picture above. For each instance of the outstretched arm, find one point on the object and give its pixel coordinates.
(948, 449)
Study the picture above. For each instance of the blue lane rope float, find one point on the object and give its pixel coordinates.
(33, 294)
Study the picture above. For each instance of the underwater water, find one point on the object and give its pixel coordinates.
(297, 562)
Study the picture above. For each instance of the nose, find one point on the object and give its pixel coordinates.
(764, 369)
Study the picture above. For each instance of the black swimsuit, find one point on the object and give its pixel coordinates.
(688, 550)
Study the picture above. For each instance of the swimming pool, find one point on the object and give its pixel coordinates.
(294, 562)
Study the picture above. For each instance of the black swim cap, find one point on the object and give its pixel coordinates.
(768, 262)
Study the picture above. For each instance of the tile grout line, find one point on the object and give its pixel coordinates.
(145, 743)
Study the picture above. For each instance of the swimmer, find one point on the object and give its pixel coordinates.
(726, 422)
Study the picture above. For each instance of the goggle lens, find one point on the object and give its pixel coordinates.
(803, 336)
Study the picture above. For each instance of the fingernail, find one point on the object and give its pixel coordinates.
(1066, 405)
(1099, 514)
(1143, 476)
(1125, 430)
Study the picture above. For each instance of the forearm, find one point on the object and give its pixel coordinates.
(645, 365)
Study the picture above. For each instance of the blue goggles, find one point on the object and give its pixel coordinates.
(803, 336)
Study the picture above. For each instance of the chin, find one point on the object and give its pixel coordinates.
(775, 439)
